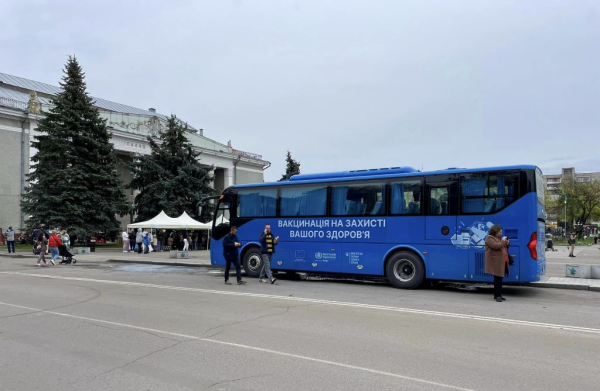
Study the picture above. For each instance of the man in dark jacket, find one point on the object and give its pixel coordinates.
(132, 240)
(231, 254)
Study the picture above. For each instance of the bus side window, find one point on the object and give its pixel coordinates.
(406, 197)
(438, 204)
(366, 199)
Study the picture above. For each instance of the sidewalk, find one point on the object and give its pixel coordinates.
(585, 284)
(200, 258)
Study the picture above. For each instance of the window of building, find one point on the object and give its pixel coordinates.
(304, 201)
(257, 203)
(583, 179)
(358, 200)
(405, 197)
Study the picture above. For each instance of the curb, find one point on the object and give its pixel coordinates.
(564, 286)
(163, 263)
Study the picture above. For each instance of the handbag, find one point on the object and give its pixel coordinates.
(150, 249)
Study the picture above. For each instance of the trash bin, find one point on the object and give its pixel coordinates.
(92, 245)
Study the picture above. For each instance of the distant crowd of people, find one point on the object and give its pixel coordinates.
(44, 242)
(141, 241)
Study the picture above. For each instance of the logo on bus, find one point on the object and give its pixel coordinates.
(318, 255)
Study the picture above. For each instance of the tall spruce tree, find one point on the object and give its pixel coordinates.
(74, 183)
(292, 167)
(171, 178)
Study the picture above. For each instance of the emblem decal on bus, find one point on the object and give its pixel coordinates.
(473, 235)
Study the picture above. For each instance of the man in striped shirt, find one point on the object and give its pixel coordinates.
(267, 247)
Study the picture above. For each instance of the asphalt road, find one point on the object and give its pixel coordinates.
(146, 327)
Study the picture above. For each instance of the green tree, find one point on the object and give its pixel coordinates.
(583, 201)
(171, 178)
(292, 167)
(74, 183)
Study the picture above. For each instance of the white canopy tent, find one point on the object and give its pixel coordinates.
(193, 224)
(162, 221)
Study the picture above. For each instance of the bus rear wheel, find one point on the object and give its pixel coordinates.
(252, 262)
(405, 270)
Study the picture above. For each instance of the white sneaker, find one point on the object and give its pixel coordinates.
(52, 262)
(262, 280)
(37, 264)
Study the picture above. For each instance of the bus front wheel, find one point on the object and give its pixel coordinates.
(252, 262)
(405, 270)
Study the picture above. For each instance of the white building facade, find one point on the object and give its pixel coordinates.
(24, 102)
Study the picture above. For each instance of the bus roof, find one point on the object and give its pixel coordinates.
(380, 173)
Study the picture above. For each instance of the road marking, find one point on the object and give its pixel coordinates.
(248, 347)
(325, 302)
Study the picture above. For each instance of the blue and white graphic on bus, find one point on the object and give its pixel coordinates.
(473, 235)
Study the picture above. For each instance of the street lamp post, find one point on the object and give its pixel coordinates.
(565, 215)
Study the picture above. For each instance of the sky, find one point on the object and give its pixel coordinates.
(341, 84)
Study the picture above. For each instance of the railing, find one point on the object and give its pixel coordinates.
(246, 154)
(15, 104)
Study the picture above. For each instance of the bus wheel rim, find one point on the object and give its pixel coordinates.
(254, 262)
(404, 270)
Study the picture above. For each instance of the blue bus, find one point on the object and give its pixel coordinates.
(399, 223)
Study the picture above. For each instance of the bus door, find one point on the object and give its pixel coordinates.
(444, 260)
(221, 227)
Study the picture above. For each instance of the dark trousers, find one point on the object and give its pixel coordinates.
(498, 286)
(238, 272)
(139, 246)
(10, 243)
(132, 245)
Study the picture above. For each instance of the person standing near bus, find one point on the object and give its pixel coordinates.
(572, 240)
(267, 247)
(231, 247)
(496, 258)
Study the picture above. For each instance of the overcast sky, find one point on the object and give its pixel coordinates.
(341, 84)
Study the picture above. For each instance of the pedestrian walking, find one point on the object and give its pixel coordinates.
(496, 258)
(267, 248)
(231, 247)
(54, 243)
(186, 244)
(139, 240)
(146, 243)
(10, 239)
(64, 236)
(572, 240)
(41, 244)
(125, 237)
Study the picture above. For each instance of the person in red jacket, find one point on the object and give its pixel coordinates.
(53, 243)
